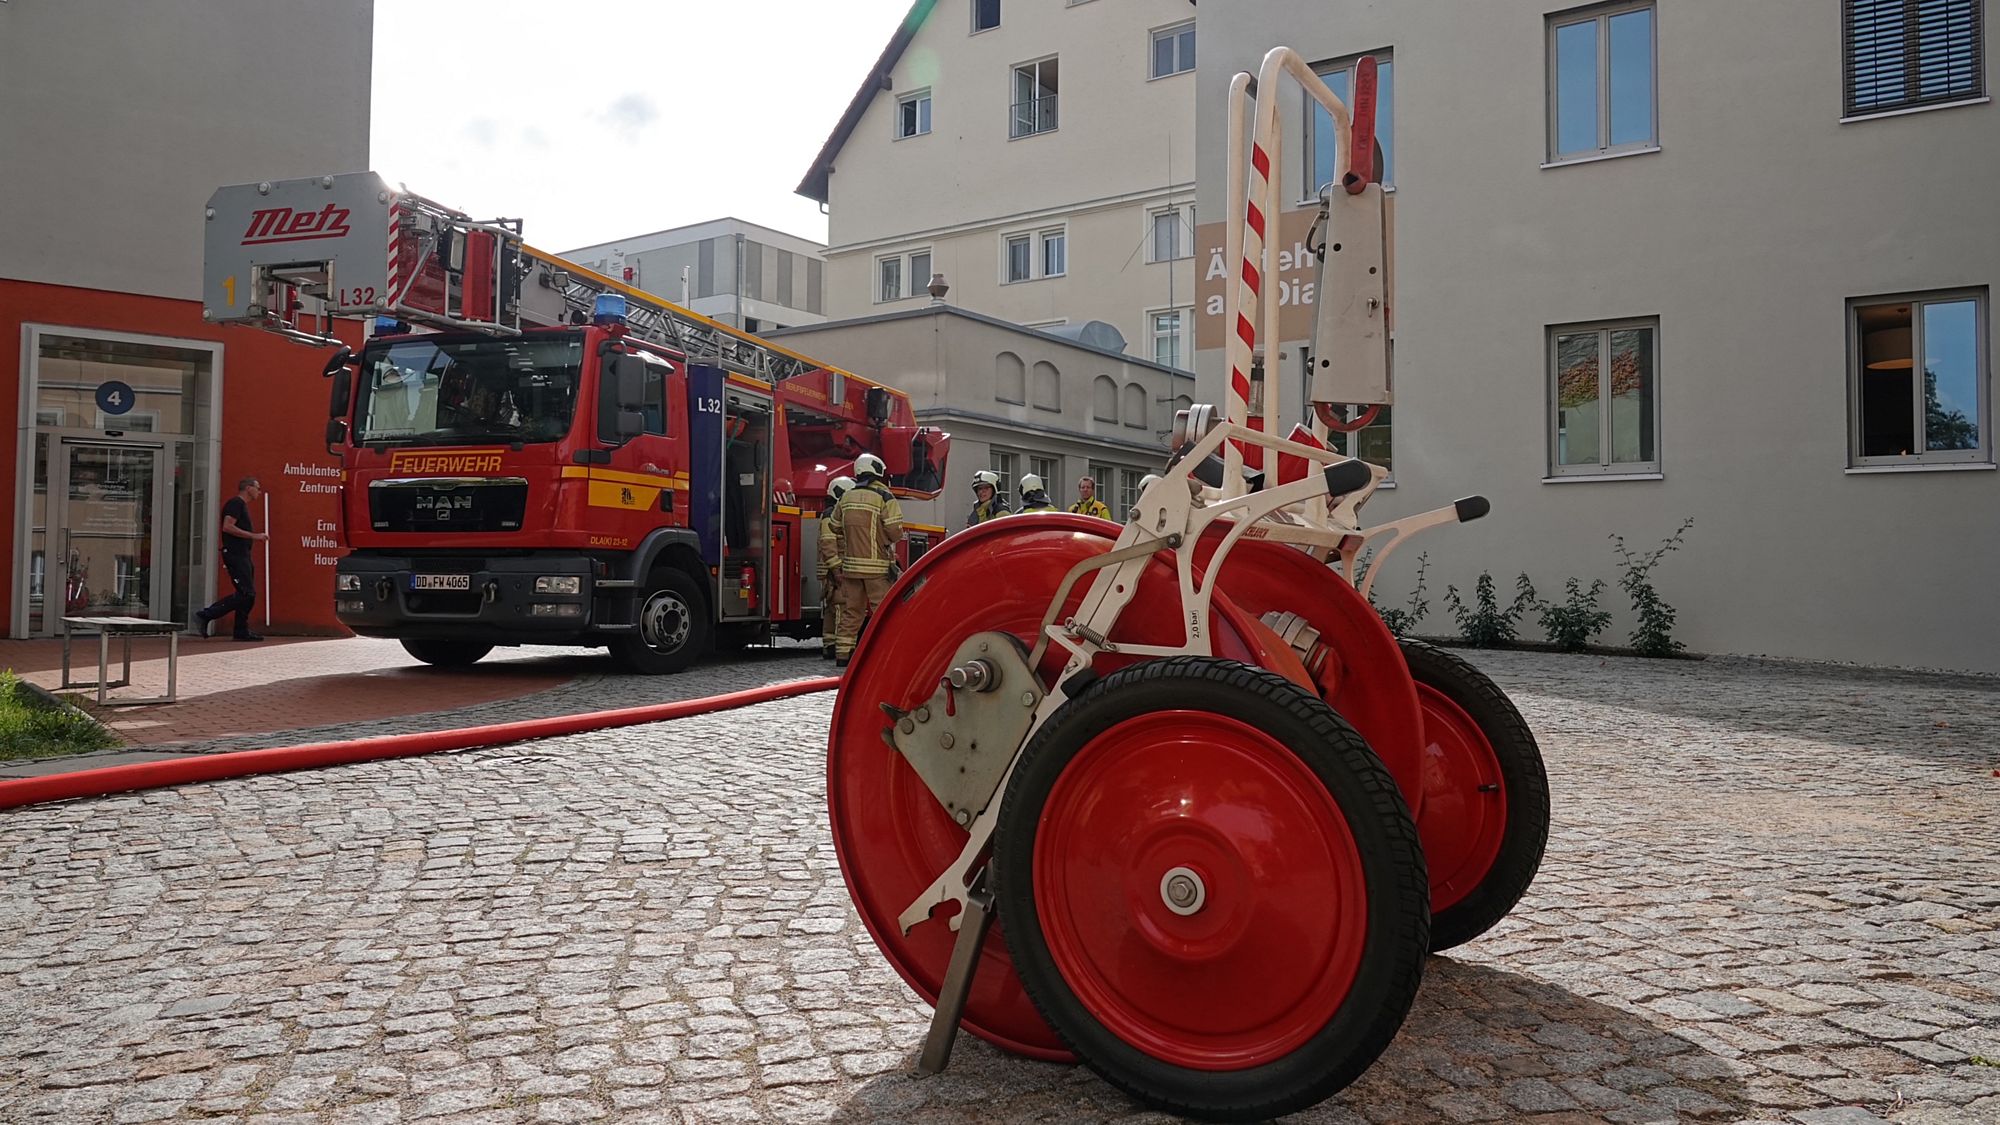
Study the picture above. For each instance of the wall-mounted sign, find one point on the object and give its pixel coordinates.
(114, 397)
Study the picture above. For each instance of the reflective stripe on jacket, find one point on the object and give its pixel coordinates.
(829, 539)
(870, 522)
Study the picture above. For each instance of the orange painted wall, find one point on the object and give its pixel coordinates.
(273, 426)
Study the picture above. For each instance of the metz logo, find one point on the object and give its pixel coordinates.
(282, 224)
(458, 461)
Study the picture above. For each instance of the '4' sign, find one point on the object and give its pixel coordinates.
(114, 397)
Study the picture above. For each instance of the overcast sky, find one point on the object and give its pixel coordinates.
(595, 120)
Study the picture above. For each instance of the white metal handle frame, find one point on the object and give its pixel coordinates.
(1246, 247)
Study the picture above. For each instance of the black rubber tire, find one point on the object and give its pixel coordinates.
(1521, 772)
(1398, 891)
(447, 654)
(680, 600)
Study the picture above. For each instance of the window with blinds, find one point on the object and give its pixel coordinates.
(1900, 54)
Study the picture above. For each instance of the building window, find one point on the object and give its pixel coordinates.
(1604, 382)
(1900, 54)
(985, 15)
(1171, 236)
(1940, 418)
(913, 115)
(1322, 152)
(1050, 470)
(1128, 489)
(902, 275)
(1369, 443)
(1601, 64)
(1007, 464)
(1055, 262)
(1019, 257)
(1173, 50)
(1037, 254)
(1104, 480)
(891, 288)
(1034, 98)
(1169, 340)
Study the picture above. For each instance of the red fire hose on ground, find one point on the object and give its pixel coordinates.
(244, 763)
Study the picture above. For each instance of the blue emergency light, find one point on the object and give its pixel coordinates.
(610, 309)
(390, 326)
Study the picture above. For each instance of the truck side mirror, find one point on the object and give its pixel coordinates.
(878, 406)
(628, 374)
(631, 423)
(336, 435)
(343, 394)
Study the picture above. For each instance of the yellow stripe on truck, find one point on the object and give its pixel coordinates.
(612, 494)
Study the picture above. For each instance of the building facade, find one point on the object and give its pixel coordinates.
(1695, 259)
(1013, 400)
(134, 419)
(745, 275)
(1037, 153)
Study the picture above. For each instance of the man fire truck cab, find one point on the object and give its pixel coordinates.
(534, 453)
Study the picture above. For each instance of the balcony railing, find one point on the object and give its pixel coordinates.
(1035, 115)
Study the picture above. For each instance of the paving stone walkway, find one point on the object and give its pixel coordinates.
(1772, 893)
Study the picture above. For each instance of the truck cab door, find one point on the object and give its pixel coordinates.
(641, 488)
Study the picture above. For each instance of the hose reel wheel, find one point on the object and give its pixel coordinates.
(1211, 889)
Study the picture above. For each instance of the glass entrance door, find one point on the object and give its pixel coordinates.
(109, 551)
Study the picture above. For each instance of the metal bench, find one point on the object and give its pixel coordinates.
(126, 627)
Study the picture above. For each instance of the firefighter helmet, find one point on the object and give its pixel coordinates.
(869, 465)
(837, 486)
(1030, 483)
(987, 477)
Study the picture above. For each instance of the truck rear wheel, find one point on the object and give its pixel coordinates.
(447, 654)
(673, 627)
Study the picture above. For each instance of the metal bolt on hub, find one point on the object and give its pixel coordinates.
(1182, 890)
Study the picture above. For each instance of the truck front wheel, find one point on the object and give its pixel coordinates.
(447, 654)
(673, 627)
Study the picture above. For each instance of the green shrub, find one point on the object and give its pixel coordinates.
(1485, 624)
(1401, 620)
(1577, 620)
(1653, 636)
(33, 727)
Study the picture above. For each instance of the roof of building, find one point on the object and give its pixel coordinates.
(982, 318)
(707, 228)
(878, 78)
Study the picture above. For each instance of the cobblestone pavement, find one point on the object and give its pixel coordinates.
(1771, 894)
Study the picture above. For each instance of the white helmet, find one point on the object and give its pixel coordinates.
(1030, 483)
(987, 477)
(837, 486)
(868, 465)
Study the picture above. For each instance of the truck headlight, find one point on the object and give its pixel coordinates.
(347, 582)
(559, 584)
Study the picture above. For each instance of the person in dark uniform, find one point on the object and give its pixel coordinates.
(238, 532)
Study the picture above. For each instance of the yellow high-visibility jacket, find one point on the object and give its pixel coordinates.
(1091, 507)
(870, 522)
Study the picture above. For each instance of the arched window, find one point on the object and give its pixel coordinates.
(1047, 386)
(1135, 406)
(1104, 399)
(1010, 378)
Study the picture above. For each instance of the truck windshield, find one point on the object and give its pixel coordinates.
(446, 391)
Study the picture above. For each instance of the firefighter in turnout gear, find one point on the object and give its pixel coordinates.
(987, 501)
(1087, 503)
(829, 561)
(868, 522)
(1034, 498)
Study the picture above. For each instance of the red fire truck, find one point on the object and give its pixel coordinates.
(533, 452)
